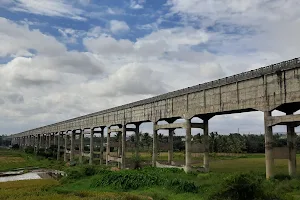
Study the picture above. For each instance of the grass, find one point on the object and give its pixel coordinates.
(82, 185)
(17, 159)
(41, 190)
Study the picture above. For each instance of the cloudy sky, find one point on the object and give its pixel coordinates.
(65, 58)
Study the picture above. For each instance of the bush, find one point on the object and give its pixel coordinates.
(134, 179)
(15, 147)
(282, 177)
(245, 186)
(29, 150)
(126, 180)
(180, 185)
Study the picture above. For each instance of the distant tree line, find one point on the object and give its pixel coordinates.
(4, 140)
(232, 143)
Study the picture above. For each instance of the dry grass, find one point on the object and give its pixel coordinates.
(11, 159)
(41, 190)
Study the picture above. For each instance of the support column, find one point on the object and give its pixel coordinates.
(81, 148)
(55, 139)
(58, 146)
(268, 147)
(50, 140)
(119, 152)
(46, 141)
(155, 145)
(123, 166)
(38, 143)
(206, 145)
(137, 140)
(107, 146)
(188, 166)
(170, 152)
(91, 147)
(66, 148)
(291, 142)
(101, 146)
(72, 148)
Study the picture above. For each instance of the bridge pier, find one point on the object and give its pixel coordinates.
(291, 142)
(81, 146)
(155, 145)
(101, 145)
(171, 146)
(123, 156)
(268, 147)
(66, 146)
(91, 147)
(206, 145)
(108, 146)
(188, 143)
(58, 145)
(72, 148)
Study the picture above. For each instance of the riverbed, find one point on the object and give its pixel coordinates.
(34, 174)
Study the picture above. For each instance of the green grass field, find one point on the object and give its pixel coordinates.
(83, 186)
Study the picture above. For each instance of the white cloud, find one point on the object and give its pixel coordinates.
(60, 8)
(106, 44)
(130, 79)
(137, 4)
(117, 27)
(19, 41)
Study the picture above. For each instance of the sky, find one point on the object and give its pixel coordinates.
(61, 59)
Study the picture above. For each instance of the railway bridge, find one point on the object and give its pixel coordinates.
(274, 87)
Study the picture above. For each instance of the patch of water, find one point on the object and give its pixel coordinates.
(27, 176)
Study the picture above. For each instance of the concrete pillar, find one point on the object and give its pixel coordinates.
(291, 142)
(49, 140)
(119, 136)
(55, 139)
(268, 147)
(46, 141)
(188, 144)
(119, 152)
(101, 147)
(170, 140)
(38, 143)
(91, 147)
(81, 149)
(155, 145)
(137, 140)
(123, 146)
(72, 148)
(66, 147)
(107, 147)
(206, 146)
(58, 146)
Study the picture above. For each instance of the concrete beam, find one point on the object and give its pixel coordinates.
(177, 125)
(283, 120)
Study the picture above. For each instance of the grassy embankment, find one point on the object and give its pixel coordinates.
(98, 183)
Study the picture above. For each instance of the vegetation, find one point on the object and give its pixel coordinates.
(232, 177)
(10, 159)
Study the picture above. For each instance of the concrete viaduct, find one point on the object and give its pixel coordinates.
(274, 87)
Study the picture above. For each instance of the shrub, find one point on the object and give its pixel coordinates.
(282, 177)
(134, 179)
(245, 186)
(137, 162)
(180, 185)
(29, 150)
(126, 180)
(15, 147)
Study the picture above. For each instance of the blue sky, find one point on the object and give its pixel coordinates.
(64, 58)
